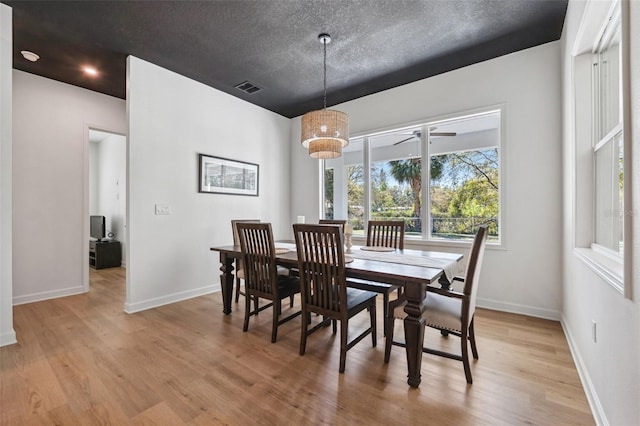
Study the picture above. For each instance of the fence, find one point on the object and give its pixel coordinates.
(441, 227)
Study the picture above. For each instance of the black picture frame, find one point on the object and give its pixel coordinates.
(220, 175)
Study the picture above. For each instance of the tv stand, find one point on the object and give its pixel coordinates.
(104, 254)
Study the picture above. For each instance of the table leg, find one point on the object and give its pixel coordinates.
(444, 282)
(226, 281)
(414, 331)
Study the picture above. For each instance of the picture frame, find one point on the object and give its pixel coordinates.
(225, 176)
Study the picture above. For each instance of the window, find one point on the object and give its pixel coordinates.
(396, 178)
(601, 108)
(608, 150)
(464, 177)
(383, 176)
(344, 189)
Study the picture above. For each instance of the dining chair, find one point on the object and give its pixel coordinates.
(342, 223)
(448, 310)
(239, 268)
(323, 286)
(236, 242)
(261, 275)
(383, 233)
(386, 233)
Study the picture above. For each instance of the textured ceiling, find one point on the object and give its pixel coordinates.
(377, 44)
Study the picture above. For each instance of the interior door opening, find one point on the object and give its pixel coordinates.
(107, 206)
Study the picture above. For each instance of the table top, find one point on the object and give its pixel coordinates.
(368, 269)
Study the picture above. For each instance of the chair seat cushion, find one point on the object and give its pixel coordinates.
(370, 285)
(288, 286)
(357, 297)
(441, 312)
(240, 273)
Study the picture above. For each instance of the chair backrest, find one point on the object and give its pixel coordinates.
(234, 229)
(472, 275)
(321, 268)
(386, 233)
(342, 223)
(259, 257)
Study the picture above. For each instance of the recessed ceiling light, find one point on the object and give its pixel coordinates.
(29, 56)
(90, 70)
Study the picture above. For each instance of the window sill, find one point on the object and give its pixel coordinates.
(420, 244)
(606, 267)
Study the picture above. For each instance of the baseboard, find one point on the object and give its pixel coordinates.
(589, 389)
(46, 295)
(515, 308)
(131, 308)
(8, 338)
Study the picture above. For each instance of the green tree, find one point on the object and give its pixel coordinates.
(409, 171)
(328, 193)
(473, 181)
(355, 196)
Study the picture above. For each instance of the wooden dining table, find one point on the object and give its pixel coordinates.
(413, 278)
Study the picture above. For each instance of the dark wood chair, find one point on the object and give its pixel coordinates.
(261, 275)
(323, 286)
(386, 233)
(383, 233)
(448, 310)
(236, 242)
(342, 223)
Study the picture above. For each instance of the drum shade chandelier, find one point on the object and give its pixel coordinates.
(325, 132)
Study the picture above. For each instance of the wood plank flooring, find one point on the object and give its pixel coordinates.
(82, 361)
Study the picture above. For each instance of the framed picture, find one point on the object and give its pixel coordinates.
(224, 176)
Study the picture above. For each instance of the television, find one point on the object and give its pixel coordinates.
(97, 227)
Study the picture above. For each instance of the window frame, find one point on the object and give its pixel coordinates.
(425, 239)
(614, 268)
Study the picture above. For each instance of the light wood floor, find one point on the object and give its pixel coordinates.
(81, 360)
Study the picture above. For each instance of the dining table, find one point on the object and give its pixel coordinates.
(411, 269)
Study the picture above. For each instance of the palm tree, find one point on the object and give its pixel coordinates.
(409, 171)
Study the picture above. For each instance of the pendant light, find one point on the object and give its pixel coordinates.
(325, 132)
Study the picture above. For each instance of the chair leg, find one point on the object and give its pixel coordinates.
(334, 324)
(388, 326)
(465, 357)
(274, 325)
(344, 328)
(472, 339)
(247, 311)
(237, 289)
(385, 307)
(306, 319)
(256, 302)
(372, 313)
(291, 301)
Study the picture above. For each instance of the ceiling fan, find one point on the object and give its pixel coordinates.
(418, 134)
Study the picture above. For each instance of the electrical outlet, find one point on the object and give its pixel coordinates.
(162, 209)
(593, 331)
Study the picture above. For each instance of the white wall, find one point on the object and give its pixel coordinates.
(171, 120)
(51, 122)
(525, 277)
(108, 176)
(7, 334)
(609, 367)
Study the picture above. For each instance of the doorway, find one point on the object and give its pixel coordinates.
(107, 203)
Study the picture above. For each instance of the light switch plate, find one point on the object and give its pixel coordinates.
(162, 209)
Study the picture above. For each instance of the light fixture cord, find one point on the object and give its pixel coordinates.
(324, 42)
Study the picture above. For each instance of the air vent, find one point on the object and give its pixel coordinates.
(248, 87)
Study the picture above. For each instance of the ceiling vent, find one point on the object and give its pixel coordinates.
(248, 87)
